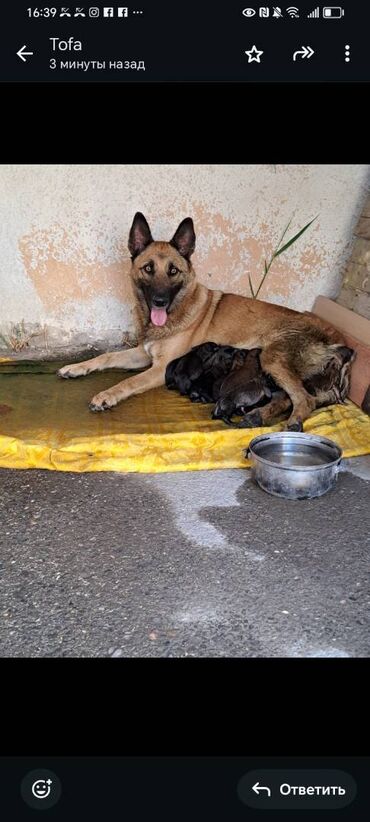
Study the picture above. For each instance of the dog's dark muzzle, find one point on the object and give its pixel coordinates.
(159, 302)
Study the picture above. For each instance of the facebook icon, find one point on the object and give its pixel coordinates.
(108, 12)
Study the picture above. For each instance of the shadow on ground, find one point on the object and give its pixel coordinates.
(187, 564)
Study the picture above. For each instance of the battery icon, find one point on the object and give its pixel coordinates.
(332, 12)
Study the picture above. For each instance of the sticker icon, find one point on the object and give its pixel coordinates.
(41, 789)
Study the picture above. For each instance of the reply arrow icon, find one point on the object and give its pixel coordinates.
(257, 788)
(23, 54)
(306, 51)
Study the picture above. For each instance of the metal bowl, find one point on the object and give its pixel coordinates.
(294, 465)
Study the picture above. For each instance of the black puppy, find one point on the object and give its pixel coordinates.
(195, 373)
(245, 387)
(207, 387)
(180, 373)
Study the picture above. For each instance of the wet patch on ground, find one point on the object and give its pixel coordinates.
(189, 564)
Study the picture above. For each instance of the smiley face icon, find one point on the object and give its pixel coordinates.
(41, 788)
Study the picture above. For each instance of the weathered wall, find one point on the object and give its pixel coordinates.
(64, 228)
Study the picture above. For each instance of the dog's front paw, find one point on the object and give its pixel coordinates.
(79, 369)
(103, 401)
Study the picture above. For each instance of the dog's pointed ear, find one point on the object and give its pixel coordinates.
(140, 235)
(184, 238)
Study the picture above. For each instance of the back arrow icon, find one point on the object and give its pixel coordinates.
(257, 788)
(22, 54)
(306, 51)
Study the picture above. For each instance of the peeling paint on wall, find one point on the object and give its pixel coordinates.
(59, 274)
(64, 229)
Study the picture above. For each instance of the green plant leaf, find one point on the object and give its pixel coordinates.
(278, 250)
(282, 236)
(293, 239)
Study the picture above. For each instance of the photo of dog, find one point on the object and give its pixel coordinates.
(175, 313)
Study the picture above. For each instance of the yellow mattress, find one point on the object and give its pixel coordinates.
(45, 422)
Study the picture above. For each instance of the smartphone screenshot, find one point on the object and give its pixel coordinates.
(184, 411)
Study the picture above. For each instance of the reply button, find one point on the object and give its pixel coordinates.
(297, 789)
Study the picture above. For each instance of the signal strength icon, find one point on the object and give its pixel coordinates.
(315, 12)
(293, 11)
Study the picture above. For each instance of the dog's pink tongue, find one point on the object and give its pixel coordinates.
(158, 316)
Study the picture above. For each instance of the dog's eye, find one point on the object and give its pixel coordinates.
(173, 270)
(148, 269)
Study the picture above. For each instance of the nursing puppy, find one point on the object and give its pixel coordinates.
(194, 373)
(244, 388)
(225, 359)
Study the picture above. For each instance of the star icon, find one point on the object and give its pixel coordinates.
(254, 55)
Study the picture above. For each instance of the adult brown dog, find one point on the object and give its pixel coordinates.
(174, 313)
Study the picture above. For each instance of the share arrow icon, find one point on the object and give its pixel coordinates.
(257, 788)
(23, 54)
(306, 51)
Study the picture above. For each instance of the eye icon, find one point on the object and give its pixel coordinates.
(249, 12)
(41, 788)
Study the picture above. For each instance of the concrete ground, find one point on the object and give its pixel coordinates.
(182, 565)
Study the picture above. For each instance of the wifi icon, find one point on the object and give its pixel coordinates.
(293, 11)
